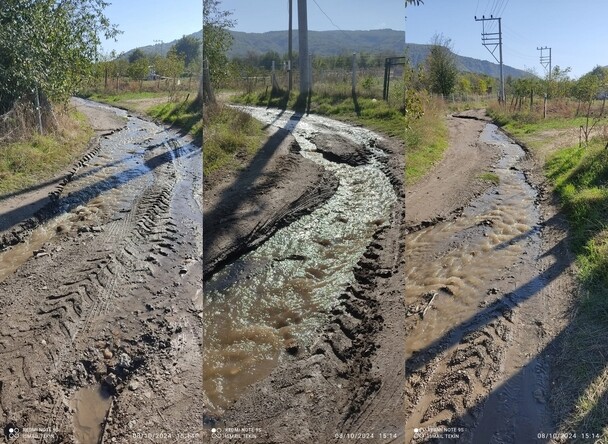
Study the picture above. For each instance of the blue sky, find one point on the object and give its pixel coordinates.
(146, 21)
(273, 15)
(575, 29)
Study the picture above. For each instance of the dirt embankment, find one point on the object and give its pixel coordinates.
(245, 208)
(349, 379)
(487, 292)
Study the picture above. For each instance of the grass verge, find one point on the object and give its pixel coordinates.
(186, 115)
(230, 138)
(579, 176)
(40, 157)
(426, 140)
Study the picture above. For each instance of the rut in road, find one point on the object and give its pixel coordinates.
(112, 296)
(465, 283)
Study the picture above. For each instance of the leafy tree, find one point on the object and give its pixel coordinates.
(139, 70)
(441, 66)
(48, 45)
(172, 66)
(216, 42)
(189, 48)
(136, 55)
(588, 88)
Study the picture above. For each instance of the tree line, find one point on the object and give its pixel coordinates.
(182, 59)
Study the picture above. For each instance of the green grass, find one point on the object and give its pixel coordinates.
(426, 141)
(490, 177)
(113, 98)
(336, 101)
(580, 176)
(231, 137)
(40, 158)
(185, 115)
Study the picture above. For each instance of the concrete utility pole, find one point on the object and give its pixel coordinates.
(545, 60)
(493, 40)
(303, 44)
(289, 62)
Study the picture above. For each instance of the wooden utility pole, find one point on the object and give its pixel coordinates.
(289, 62)
(303, 44)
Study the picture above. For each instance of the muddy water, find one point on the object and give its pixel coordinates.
(463, 261)
(91, 405)
(459, 259)
(276, 297)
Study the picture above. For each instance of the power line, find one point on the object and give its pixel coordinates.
(328, 17)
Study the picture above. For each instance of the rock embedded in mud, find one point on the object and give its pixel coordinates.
(107, 353)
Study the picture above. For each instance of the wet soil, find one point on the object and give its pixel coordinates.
(327, 364)
(487, 289)
(103, 292)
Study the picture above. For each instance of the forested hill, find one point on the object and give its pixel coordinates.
(385, 41)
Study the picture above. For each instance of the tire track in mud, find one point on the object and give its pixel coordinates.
(348, 379)
(96, 270)
(470, 279)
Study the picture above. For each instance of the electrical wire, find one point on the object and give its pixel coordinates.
(328, 17)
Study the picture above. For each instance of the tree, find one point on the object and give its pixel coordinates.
(216, 42)
(136, 55)
(441, 66)
(189, 48)
(172, 66)
(588, 88)
(139, 70)
(48, 46)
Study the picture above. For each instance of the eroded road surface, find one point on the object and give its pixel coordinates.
(299, 332)
(483, 287)
(101, 295)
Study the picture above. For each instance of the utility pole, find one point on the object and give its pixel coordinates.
(545, 60)
(303, 44)
(289, 62)
(493, 40)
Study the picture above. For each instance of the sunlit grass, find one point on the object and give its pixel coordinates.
(40, 157)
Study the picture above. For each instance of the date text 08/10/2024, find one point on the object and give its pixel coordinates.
(381, 435)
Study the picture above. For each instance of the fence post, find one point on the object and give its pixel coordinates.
(38, 111)
(354, 76)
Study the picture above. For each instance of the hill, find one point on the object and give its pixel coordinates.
(385, 41)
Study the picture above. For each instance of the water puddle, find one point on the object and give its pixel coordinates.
(91, 406)
(457, 259)
(106, 187)
(274, 300)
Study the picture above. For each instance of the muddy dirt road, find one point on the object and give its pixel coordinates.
(487, 287)
(301, 330)
(101, 294)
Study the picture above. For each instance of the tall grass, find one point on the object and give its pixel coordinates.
(426, 139)
(230, 137)
(35, 158)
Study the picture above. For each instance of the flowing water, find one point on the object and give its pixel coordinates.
(457, 265)
(457, 259)
(278, 296)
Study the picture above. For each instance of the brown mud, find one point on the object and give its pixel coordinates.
(106, 294)
(489, 281)
(342, 375)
